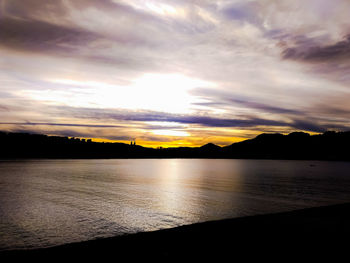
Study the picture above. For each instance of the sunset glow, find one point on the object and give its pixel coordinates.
(174, 73)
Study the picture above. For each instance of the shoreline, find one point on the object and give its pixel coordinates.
(312, 232)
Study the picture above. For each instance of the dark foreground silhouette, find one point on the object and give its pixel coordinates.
(308, 234)
(296, 145)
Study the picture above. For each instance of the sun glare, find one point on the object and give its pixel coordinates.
(156, 92)
(154, 7)
(161, 9)
(171, 133)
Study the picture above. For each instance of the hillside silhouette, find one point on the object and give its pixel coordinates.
(297, 145)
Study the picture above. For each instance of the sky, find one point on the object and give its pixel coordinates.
(174, 73)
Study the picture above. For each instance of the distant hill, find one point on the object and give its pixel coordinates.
(297, 145)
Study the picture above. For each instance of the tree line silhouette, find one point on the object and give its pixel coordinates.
(330, 145)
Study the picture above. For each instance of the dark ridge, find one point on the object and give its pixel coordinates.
(297, 145)
(210, 146)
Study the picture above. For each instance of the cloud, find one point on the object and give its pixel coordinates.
(224, 99)
(159, 117)
(270, 65)
(320, 58)
(59, 124)
(339, 51)
(63, 132)
(245, 12)
(33, 9)
(4, 108)
(266, 108)
(122, 116)
(307, 126)
(41, 36)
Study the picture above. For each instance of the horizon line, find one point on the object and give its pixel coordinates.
(127, 142)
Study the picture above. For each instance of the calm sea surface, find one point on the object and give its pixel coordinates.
(50, 202)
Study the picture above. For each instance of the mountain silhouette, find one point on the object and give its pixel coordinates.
(210, 146)
(330, 145)
(297, 145)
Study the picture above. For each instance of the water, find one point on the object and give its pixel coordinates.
(51, 202)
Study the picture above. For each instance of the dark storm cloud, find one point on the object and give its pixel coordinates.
(219, 122)
(105, 115)
(200, 120)
(313, 53)
(36, 25)
(34, 35)
(326, 61)
(59, 124)
(92, 33)
(152, 116)
(73, 42)
(32, 8)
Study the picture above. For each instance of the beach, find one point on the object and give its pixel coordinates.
(312, 233)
